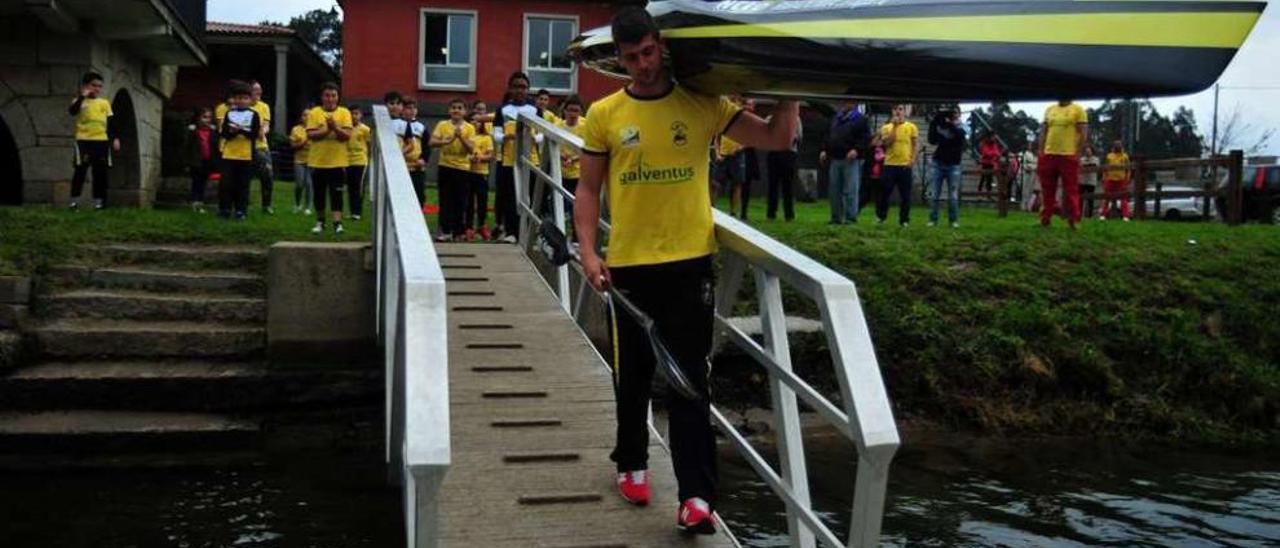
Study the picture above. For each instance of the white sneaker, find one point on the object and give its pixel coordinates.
(97, 204)
(955, 225)
(931, 224)
(509, 239)
(318, 229)
(355, 217)
(306, 211)
(337, 228)
(74, 205)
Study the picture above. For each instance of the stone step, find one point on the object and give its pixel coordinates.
(131, 304)
(154, 278)
(88, 338)
(98, 431)
(182, 385)
(194, 257)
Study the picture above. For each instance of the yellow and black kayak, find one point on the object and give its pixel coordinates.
(923, 50)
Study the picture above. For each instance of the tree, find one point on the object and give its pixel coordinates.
(322, 30)
(1015, 130)
(1144, 131)
(1238, 132)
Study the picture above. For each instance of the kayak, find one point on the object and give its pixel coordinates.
(942, 50)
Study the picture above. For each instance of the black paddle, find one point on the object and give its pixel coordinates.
(554, 244)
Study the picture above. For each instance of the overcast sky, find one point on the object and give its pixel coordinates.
(1251, 83)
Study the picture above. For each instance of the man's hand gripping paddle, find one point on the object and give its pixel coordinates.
(554, 244)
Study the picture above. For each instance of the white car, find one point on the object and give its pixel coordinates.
(1174, 209)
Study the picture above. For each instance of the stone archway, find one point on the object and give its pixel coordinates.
(126, 165)
(10, 168)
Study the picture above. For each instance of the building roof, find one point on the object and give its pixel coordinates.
(217, 27)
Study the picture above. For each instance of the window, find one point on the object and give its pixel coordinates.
(546, 52)
(448, 50)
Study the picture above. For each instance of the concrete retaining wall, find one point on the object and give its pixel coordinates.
(321, 303)
(15, 297)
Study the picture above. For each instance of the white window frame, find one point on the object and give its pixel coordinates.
(422, 54)
(524, 52)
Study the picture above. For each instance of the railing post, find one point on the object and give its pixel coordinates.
(1002, 178)
(1139, 192)
(1235, 187)
(557, 208)
(522, 182)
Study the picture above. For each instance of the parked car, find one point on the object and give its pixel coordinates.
(1260, 192)
(1175, 209)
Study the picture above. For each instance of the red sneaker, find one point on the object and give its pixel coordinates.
(484, 233)
(634, 487)
(471, 235)
(695, 517)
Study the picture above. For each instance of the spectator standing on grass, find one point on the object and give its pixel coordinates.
(751, 173)
(1116, 180)
(847, 144)
(988, 160)
(901, 139)
(732, 166)
(476, 213)
(504, 135)
(300, 144)
(454, 137)
(410, 131)
(96, 137)
(201, 154)
(1089, 163)
(358, 160)
(239, 129)
(782, 176)
(1011, 168)
(262, 150)
(1062, 137)
(329, 126)
(570, 161)
(945, 133)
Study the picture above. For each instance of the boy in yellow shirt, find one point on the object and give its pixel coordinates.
(94, 129)
(358, 158)
(1116, 179)
(477, 210)
(410, 132)
(300, 144)
(329, 126)
(454, 139)
(239, 128)
(901, 140)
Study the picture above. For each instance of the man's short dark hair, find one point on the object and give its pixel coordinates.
(632, 24)
(572, 100)
(517, 75)
(354, 107)
(89, 77)
(392, 97)
(457, 101)
(544, 91)
(239, 87)
(330, 86)
(410, 102)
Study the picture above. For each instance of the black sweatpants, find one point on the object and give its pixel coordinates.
(478, 202)
(330, 179)
(200, 179)
(750, 175)
(419, 180)
(266, 175)
(233, 189)
(455, 186)
(898, 177)
(678, 296)
(95, 155)
(355, 189)
(506, 213)
(782, 175)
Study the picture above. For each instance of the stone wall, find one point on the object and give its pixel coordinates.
(321, 303)
(40, 72)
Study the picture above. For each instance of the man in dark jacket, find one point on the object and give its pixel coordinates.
(846, 146)
(946, 133)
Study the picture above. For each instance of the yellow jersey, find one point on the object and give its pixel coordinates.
(573, 168)
(482, 143)
(1117, 159)
(509, 146)
(358, 146)
(328, 152)
(728, 147)
(1061, 129)
(657, 173)
(91, 121)
(264, 118)
(900, 152)
(454, 154)
(299, 133)
(240, 146)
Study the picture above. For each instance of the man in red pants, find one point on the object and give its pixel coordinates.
(1062, 136)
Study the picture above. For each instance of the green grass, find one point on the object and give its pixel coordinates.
(1145, 328)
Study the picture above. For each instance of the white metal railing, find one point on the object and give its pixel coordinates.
(863, 415)
(413, 332)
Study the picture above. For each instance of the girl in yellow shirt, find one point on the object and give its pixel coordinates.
(357, 158)
(300, 144)
(477, 210)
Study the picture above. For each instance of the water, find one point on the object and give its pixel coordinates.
(961, 491)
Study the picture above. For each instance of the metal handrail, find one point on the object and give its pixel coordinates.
(863, 415)
(413, 331)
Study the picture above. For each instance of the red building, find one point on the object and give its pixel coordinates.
(441, 49)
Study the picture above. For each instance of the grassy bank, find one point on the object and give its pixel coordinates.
(1152, 328)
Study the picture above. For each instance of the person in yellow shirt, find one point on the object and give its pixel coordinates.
(239, 129)
(570, 161)
(477, 210)
(731, 166)
(300, 144)
(1062, 137)
(95, 135)
(262, 151)
(454, 139)
(1116, 179)
(901, 140)
(648, 142)
(329, 127)
(358, 158)
(410, 132)
(515, 102)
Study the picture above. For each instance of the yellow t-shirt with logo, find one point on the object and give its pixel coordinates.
(572, 170)
(415, 152)
(91, 121)
(1117, 159)
(454, 154)
(328, 152)
(901, 152)
(728, 147)
(509, 146)
(1061, 132)
(483, 143)
(239, 147)
(299, 133)
(264, 118)
(658, 172)
(358, 146)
